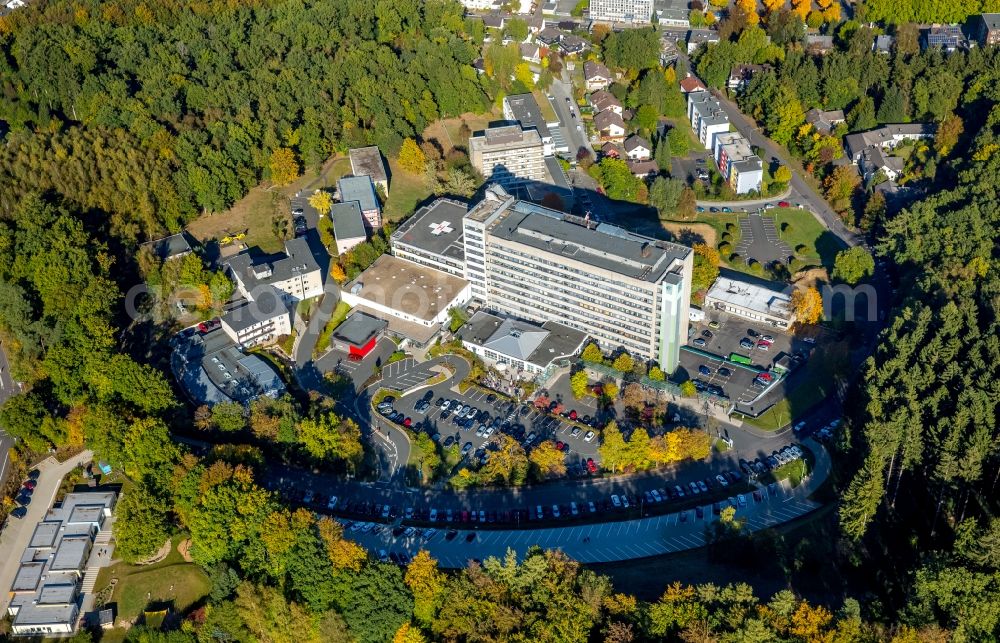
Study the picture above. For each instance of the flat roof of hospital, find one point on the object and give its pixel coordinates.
(407, 287)
(435, 228)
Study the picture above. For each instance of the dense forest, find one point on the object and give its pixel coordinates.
(152, 111)
(121, 120)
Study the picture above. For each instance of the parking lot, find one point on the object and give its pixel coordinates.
(709, 347)
(523, 422)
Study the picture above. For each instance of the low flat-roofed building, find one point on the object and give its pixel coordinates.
(432, 237)
(212, 369)
(531, 350)
(751, 301)
(358, 334)
(367, 161)
(361, 189)
(348, 225)
(71, 544)
(396, 289)
(261, 321)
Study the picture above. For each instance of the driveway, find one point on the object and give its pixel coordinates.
(17, 532)
(560, 90)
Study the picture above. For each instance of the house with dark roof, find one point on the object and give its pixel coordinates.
(986, 28)
(643, 169)
(362, 190)
(637, 148)
(946, 37)
(572, 45)
(173, 247)
(531, 52)
(698, 37)
(612, 150)
(883, 44)
(741, 75)
(602, 100)
(610, 125)
(494, 21)
(818, 44)
(825, 121)
(358, 334)
(549, 36)
(874, 160)
(596, 75)
(348, 225)
(886, 137)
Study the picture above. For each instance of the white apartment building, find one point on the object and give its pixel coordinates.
(622, 289)
(707, 117)
(630, 11)
(261, 321)
(295, 274)
(524, 109)
(508, 154)
(742, 169)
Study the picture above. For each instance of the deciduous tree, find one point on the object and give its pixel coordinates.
(807, 304)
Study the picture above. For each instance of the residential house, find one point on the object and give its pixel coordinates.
(610, 125)
(571, 45)
(367, 161)
(173, 247)
(536, 23)
(947, 37)
(348, 225)
(987, 29)
(549, 36)
(741, 75)
(874, 159)
(643, 169)
(494, 21)
(362, 190)
(596, 75)
(692, 84)
(612, 150)
(885, 137)
(638, 148)
(817, 44)
(825, 121)
(883, 44)
(603, 100)
(698, 37)
(531, 52)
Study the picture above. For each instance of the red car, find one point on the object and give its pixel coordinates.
(591, 465)
(784, 204)
(572, 415)
(765, 376)
(407, 422)
(29, 484)
(560, 445)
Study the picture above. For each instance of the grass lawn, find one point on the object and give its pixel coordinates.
(709, 226)
(405, 192)
(816, 380)
(338, 316)
(721, 446)
(820, 245)
(548, 113)
(794, 471)
(254, 214)
(171, 583)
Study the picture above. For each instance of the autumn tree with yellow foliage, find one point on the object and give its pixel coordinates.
(807, 305)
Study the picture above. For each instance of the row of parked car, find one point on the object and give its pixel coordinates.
(24, 495)
(778, 458)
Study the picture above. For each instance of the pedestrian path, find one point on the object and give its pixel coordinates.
(614, 541)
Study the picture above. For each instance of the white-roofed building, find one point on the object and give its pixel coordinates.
(530, 350)
(751, 301)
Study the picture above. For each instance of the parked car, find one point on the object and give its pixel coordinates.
(704, 370)
(589, 437)
(699, 342)
(616, 500)
(784, 204)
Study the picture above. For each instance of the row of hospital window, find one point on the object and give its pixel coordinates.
(503, 250)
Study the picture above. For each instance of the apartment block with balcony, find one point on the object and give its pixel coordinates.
(707, 117)
(295, 273)
(508, 154)
(740, 167)
(624, 290)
